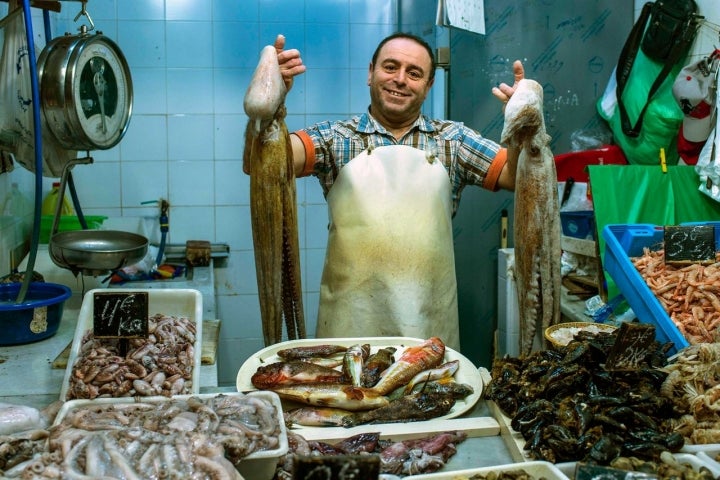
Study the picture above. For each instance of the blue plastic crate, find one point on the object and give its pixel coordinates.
(625, 241)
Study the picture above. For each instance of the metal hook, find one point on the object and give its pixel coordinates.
(84, 13)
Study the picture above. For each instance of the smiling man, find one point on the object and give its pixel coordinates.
(393, 178)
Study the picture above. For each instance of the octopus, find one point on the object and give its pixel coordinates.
(536, 224)
(269, 162)
(191, 437)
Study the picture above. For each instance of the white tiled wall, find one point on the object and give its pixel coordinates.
(190, 63)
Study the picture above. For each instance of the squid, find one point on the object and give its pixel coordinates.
(536, 222)
(268, 159)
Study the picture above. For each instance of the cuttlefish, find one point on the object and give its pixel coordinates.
(268, 160)
(536, 222)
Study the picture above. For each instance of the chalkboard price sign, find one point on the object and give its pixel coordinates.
(687, 244)
(631, 346)
(120, 314)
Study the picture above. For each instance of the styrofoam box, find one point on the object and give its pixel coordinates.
(181, 302)
(537, 469)
(259, 465)
(621, 243)
(696, 462)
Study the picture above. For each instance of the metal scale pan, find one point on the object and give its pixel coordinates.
(92, 252)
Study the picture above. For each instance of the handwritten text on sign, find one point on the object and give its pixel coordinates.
(120, 315)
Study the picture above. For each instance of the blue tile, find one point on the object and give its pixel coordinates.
(233, 226)
(327, 46)
(373, 11)
(95, 194)
(149, 90)
(235, 45)
(231, 184)
(327, 91)
(230, 136)
(235, 10)
(327, 11)
(190, 44)
(189, 90)
(143, 43)
(191, 183)
(190, 137)
(141, 181)
(146, 139)
(294, 33)
(364, 39)
(148, 10)
(279, 10)
(187, 10)
(191, 223)
(230, 86)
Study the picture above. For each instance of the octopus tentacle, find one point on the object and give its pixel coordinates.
(536, 224)
(273, 206)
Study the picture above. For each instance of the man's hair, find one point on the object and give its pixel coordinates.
(414, 38)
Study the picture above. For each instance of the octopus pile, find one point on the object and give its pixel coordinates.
(567, 407)
(193, 437)
(160, 364)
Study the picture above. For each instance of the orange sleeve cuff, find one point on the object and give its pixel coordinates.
(309, 148)
(493, 173)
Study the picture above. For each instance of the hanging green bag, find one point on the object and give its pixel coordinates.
(638, 103)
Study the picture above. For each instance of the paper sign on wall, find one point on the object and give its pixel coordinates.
(466, 14)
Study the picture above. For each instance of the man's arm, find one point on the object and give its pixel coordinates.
(503, 92)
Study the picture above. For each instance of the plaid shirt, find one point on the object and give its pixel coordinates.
(464, 153)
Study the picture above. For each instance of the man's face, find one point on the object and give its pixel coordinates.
(399, 82)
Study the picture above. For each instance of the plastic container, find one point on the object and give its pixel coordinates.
(259, 465)
(535, 469)
(36, 318)
(623, 242)
(183, 302)
(578, 224)
(15, 203)
(49, 204)
(67, 223)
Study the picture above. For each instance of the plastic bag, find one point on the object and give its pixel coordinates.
(662, 119)
(708, 164)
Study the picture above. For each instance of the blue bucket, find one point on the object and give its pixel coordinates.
(35, 318)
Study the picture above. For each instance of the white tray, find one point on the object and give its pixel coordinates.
(183, 302)
(696, 462)
(466, 373)
(538, 470)
(257, 466)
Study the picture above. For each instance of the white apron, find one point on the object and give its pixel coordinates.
(390, 265)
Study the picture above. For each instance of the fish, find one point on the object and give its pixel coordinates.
(446, 370)
(332, 395)
(412, 361)
(293, 373)
(268, 159)
(445, 385)
(353, 361)
(310, 351)
(315, 416)
(376, 363)
(536, 222)
(408, 408)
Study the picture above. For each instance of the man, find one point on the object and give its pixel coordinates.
(389, 269)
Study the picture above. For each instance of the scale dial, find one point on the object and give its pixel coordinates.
(86, 91)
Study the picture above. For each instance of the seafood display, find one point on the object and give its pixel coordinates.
(407, 457)
(161, 364)
(268, 159)
(689, 294)
(184, 437)
(567, 407)
(536, 224)
(668, 467)
(376, 380)
(693, 382)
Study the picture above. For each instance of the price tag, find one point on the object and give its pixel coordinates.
(120, 314)
(585, 471)
(336, 467)
(631, 346)
(686, 244)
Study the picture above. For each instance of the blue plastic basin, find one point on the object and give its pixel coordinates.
(35, 318)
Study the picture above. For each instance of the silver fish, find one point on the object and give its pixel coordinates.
(353, 362)
(536, 222)
(332, 395)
